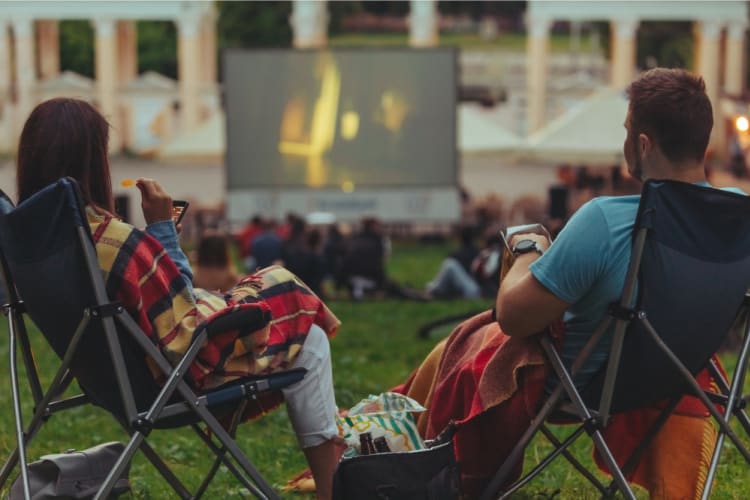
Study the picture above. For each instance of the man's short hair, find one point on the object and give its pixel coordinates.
(672, 108)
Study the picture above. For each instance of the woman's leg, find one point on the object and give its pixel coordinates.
(311, 406)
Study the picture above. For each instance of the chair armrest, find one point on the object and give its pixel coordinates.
(249, 386)
(246, 319)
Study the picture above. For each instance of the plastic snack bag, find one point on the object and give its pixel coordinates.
(388, 415)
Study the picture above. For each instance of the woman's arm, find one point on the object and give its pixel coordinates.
(166, 233)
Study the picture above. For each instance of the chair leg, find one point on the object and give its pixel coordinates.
(561, 448)
(733, 397)
(635, 457)
(20, 437)
(500, 477)
(221, 453)
(221, 457)
(572, 459)
(165, 471)
(614, 469)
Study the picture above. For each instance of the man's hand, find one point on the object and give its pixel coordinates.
(155, 202)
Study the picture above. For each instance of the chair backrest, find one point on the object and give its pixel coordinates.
(47, 245)
(691, 283)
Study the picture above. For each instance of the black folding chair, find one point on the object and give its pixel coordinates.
(50, 264)
(686, 289)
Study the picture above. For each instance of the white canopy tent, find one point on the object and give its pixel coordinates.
(479, 134)
(590, 133)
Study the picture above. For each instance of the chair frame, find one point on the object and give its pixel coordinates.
(138, 424)
(593, 420)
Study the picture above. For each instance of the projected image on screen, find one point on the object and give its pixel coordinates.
(344, 119)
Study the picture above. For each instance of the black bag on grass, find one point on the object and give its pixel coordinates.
(429, 474)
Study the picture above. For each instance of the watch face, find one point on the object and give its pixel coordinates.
(524, 246)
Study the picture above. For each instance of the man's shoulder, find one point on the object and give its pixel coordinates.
(608, 205)
(616, 201)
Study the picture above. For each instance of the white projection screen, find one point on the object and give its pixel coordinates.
(352, 132)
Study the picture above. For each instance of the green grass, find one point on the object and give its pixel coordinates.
(375, 349)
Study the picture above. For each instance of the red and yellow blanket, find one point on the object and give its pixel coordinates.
(491, 385)
(139, 274)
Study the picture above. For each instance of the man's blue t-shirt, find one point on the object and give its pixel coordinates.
(586, 267)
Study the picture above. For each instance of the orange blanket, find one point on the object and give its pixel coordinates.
(491, 385)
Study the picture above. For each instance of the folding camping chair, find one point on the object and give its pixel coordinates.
(686, 289)
(51, 267)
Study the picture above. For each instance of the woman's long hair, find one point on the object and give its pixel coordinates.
(65, 137)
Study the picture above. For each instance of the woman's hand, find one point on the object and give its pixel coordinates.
(155, 202)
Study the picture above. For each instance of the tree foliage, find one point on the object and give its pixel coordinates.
(254, 24)
(667, 44)
(77, 47)
(157, 47)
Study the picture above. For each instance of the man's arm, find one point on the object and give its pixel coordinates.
(524, 306)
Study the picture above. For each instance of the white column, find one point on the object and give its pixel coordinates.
(423, 23)
(188, 70)
(7, 118)
(309, 21)
(5, 62)
(734, 62)
(105, 60)
(48, 49)
(708, 60)
(127, 71)
(623, 51)
(127, 52)
(537, 49)
(208, 46)
(23, 33)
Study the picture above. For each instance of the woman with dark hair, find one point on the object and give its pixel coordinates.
(149, 274)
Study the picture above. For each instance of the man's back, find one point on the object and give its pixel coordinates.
(586, 267)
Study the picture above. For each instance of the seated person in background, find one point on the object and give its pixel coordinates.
(363, 266)
(455, 277)
(491, 375)
(147, 272)
(244, 240)
(302, 257)
(214, 269)
(266, 248)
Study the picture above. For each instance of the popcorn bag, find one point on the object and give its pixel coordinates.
(388, 415)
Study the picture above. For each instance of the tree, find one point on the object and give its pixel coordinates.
(254, 24)
(157, 47)
(77, 47)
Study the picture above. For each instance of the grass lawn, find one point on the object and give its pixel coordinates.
(375, 349)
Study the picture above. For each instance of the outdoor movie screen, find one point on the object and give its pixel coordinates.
(340, 118)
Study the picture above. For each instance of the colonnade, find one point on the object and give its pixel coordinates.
(30, 53)
(719, 47)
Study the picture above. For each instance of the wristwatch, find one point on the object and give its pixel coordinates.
(526, 246)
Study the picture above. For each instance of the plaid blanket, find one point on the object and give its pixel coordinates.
(491, 385)
(139, 273)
